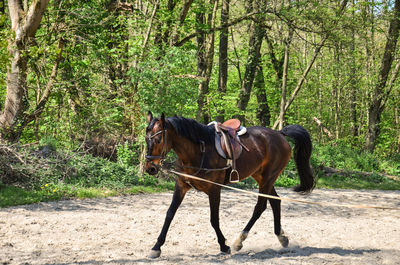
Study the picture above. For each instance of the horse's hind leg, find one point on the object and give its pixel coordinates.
(276, 210)
(258, 210)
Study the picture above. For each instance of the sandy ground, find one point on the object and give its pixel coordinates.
(122, 230)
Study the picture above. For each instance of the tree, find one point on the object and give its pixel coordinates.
(223, 55)
(257, 32)
(263, 112)
(205, 57)
(24, 24)
(380, 96)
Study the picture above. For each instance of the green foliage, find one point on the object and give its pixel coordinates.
(345, 156)
(373, 181)
(128, 154)
(167, 80)
(50, 142)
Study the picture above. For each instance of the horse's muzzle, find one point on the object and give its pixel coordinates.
(152, 170)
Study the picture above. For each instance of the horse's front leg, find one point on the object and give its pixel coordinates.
(180, 190)
(214, 197)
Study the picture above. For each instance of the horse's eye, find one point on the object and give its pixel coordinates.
(157, 139)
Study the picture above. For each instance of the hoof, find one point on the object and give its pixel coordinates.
(226, 250)
(284, 240)
(154, 254)
(238, 243)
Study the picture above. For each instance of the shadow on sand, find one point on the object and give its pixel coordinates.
(241, 257)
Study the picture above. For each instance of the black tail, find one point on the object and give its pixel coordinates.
(302, 154)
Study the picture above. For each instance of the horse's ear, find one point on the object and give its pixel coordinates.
(149, 116)
(162, 120)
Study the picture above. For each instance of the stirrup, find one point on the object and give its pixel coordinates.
(234, 172)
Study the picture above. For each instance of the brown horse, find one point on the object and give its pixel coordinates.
(268, 154)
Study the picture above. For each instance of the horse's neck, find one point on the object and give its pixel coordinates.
(187, 151)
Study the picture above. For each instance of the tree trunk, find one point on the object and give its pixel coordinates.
(182, 16)
(397, 126)
(263, 111)
(324, 129)
(223, 56)
(41, 103)
(353, 84)
(300, 82)
(24, 28)
(379, 95)
(205, 56)
(256, 36)
(336, 88)
(288, 41)
(277, 64)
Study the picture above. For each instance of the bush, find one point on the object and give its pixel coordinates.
(30, 168)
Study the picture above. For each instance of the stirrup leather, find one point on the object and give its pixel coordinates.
(228, 145)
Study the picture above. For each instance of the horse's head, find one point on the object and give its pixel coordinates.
(157, 145)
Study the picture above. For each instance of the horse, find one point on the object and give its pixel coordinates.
(194, 144)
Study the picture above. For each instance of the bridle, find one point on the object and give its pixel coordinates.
(163, 154)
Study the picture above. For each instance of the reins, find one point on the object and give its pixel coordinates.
(284, 198)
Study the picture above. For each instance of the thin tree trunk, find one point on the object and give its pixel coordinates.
(397, 126)
(223, 56)
(147, 36)
(336, 89)
(263, 111)
(324, 129)
(25, 120)
(257, 32)
(379, 95)
(353, 83)
(277, 64)
(205, 56)
(284, 79)
(182, 16)
(301, 80)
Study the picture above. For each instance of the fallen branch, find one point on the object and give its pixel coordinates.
(330, 171)
(12, 152)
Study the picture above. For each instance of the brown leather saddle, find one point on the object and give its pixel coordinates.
(228, 145)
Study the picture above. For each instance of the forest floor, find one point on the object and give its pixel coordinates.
(122, 230)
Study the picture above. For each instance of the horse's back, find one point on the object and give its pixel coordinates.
(268, 137)
(268, 149)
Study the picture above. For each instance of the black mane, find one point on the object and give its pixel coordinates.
(192, 130)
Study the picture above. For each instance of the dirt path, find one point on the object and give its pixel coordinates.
(122, 230)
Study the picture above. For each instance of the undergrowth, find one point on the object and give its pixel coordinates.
(33, 174)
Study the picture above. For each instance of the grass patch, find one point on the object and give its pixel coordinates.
(374, 182)
(12, 196)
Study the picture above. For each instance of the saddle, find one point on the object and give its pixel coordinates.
(228, 145)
